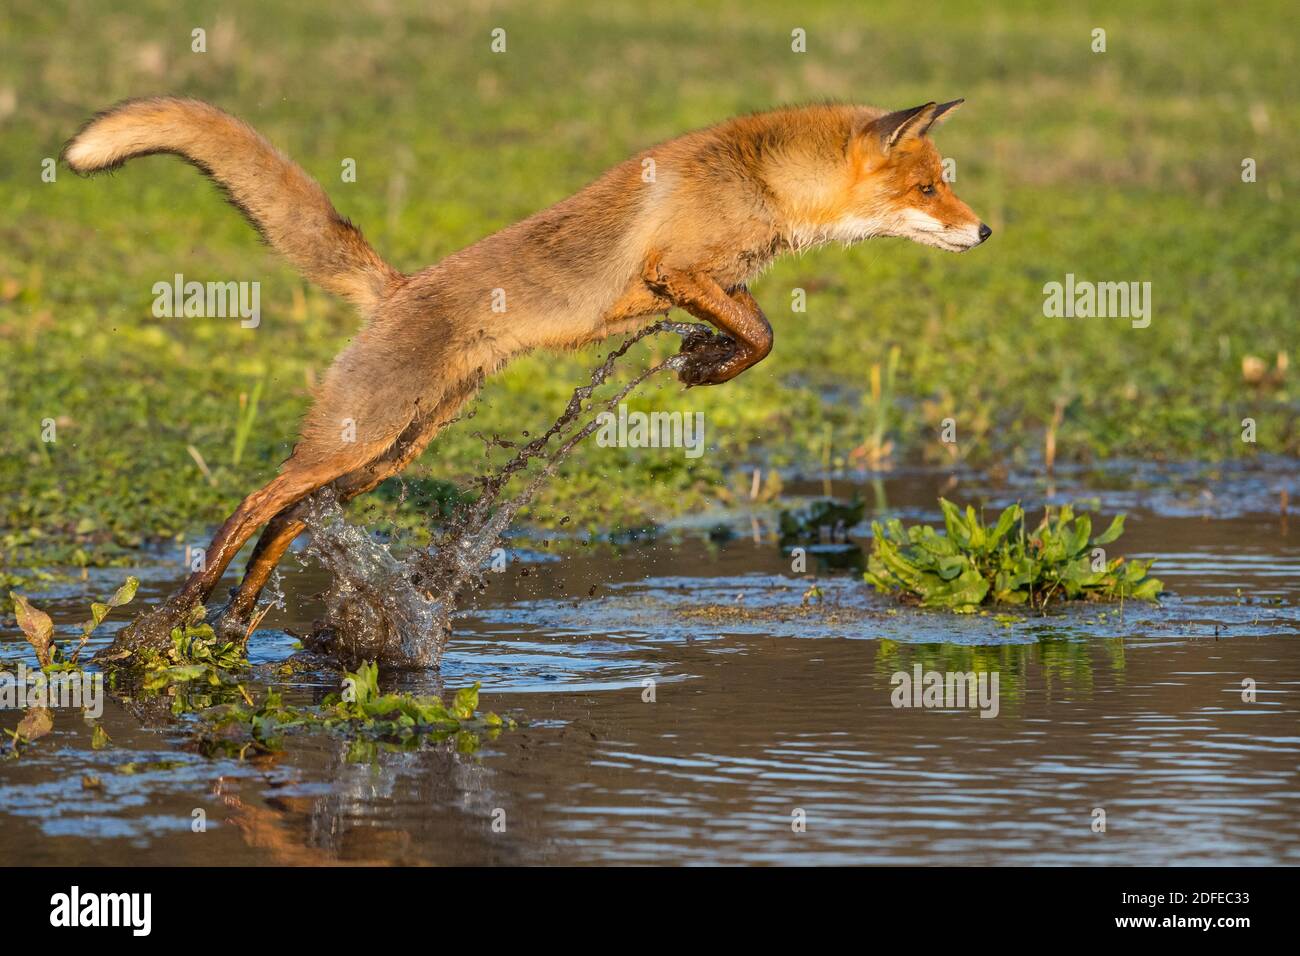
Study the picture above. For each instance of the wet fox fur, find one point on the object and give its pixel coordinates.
(684, 224)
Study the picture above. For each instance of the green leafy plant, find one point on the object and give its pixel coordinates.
(1006, 563)
(39, 629)
(196, 654)
(362, 701)
(361, 710)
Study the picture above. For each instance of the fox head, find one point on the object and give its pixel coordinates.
(896, 185)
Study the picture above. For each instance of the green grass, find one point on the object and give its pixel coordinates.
(1115, 167)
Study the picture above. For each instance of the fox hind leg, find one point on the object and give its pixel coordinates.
(280, 533)
(300, 475)
(285, 527)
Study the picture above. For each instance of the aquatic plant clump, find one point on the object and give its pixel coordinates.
(1006, 563)
(360, 711)
(196, 655)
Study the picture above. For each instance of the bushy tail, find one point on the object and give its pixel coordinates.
(283, 203)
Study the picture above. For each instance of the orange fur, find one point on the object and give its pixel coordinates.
(687, 223)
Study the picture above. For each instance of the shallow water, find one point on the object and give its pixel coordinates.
(762, 707)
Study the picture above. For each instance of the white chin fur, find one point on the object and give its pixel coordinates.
(950, 241)
(922, 227)
(912, 224)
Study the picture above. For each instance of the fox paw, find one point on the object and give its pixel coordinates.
(708, 357)
(231, 625)
(152, 628)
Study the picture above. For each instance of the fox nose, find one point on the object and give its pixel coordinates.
(985, 232)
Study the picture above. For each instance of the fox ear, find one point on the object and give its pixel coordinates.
(894, 128)
(941, 111)
(898, 127)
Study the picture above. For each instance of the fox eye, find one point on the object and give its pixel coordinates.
(927, 190)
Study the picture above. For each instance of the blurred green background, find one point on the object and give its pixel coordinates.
(1115, 166)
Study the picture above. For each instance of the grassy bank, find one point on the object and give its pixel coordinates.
(1115, 166)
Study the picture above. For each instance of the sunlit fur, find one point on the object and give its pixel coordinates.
(719, 203)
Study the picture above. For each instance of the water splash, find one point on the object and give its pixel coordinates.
(398, 610)
(373, 610)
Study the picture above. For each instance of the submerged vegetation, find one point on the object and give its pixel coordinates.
(1006, 563)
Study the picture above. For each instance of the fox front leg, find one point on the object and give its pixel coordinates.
(747, 336)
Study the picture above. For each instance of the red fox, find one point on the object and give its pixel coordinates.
(684, 224)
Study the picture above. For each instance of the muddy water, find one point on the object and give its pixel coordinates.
(762, 707)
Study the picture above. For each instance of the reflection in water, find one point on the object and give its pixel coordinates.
(295, 823)
(1058, 665)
